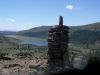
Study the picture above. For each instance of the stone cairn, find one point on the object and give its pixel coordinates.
(58, 57)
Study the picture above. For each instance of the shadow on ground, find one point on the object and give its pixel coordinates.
(92, 68)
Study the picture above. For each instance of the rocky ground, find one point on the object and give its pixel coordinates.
(22, 66)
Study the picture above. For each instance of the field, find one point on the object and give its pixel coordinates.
(22, 60)
(28, 59)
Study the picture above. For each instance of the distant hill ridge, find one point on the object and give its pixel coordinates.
(85, 34)
(93, 26)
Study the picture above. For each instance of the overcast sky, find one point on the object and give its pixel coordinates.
(25, 14)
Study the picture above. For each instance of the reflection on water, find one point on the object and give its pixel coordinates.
(30, 40)
(37, 43)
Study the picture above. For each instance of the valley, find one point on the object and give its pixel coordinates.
(25, 52)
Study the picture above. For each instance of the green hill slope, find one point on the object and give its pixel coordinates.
(78, 34)
(36, 32)
(84, 34)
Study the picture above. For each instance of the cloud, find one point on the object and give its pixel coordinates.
(11, 20)
(70, 7)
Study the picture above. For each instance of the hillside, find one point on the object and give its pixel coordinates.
(41, 29)
(7, 32)
(93, 27)
(36, 32)
(84, 34)
(8, 40)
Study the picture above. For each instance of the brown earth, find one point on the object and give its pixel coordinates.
(25, 66)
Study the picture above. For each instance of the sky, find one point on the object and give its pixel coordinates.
(16, 15)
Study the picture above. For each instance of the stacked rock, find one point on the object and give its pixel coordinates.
(57, 47)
